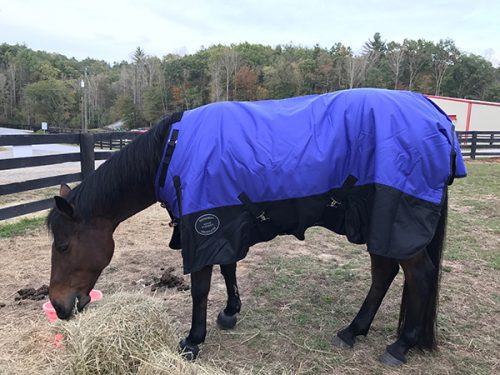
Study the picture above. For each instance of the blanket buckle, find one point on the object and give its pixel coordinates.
(173, 221)
(262, 217)
(334, 203)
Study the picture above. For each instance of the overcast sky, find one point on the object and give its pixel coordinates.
(112, 29)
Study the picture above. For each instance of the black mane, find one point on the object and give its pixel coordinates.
(134, 167)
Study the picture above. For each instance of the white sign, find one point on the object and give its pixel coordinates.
(44, 126)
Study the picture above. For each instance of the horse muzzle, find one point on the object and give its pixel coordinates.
(64, 311)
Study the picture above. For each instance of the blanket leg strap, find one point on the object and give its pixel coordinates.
(175, 241)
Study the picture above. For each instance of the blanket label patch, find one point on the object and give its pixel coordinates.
(207, 224)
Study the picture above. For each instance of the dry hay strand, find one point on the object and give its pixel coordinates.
(126, 333)
(27, 348)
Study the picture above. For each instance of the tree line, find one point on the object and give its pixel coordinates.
(39, 86)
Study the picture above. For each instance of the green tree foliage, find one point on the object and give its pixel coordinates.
(470, 77)
(378, 72)
(493, 90)
(39, 86)
(50, 100)
(443, 56)
(126, 110)
(154, 104)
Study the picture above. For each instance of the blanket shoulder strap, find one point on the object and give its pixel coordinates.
(168, 156)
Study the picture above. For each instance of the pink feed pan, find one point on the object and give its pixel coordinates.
(95, 295)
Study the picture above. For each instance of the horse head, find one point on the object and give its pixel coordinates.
(81, 249)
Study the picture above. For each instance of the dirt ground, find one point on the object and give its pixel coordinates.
(296, 294)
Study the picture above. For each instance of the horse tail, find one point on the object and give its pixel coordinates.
(427, 339)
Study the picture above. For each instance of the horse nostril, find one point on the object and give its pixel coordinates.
(57, 307)
(60, 311)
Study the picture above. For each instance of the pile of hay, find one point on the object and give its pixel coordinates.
(123, 334)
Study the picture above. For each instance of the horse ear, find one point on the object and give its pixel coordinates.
(64, 207)
(64, 190)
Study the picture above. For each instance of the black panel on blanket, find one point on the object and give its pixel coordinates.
(391, 223)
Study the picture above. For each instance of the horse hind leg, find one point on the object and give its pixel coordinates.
(227, 318)
(383, 271)
(417, 303)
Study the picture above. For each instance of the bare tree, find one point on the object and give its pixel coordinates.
(230, 63)
(216, 73)
(3, 96)
(416, 56)
(11, 75)
(357, 66)
(395, 56)
(443, 56)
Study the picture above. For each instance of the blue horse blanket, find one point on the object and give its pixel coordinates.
(368, 163)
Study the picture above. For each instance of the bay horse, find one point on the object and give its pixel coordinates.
(373, 165)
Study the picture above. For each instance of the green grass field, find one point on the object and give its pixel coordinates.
(21, 226)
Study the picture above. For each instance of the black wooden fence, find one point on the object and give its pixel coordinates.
(112, 144)
(479, 143)
(86, 157)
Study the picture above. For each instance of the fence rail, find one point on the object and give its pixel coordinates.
(86, 157)
(114, 141)
(479, 143)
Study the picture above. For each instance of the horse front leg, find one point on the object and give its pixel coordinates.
(200, 286)
(383, 271)
(227, 318)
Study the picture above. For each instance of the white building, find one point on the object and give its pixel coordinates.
(470, 114)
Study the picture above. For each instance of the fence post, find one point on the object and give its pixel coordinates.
(87, 157)
(473, 146)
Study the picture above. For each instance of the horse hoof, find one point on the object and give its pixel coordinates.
(389, 360)
(188, 351)
(339, 343)
(226, 321)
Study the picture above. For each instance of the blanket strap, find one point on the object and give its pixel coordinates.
(177, 185)
(168, 156)
(173, 220)
(175, 240)
(338, 196)
(453, 157)
(252, 208)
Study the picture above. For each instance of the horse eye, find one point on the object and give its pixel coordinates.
(62, 248)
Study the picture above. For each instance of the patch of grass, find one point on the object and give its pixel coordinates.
(495, 260)
(21, 227)
(286, 277)
(303, 291)
(474, 216)
(343, 273)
